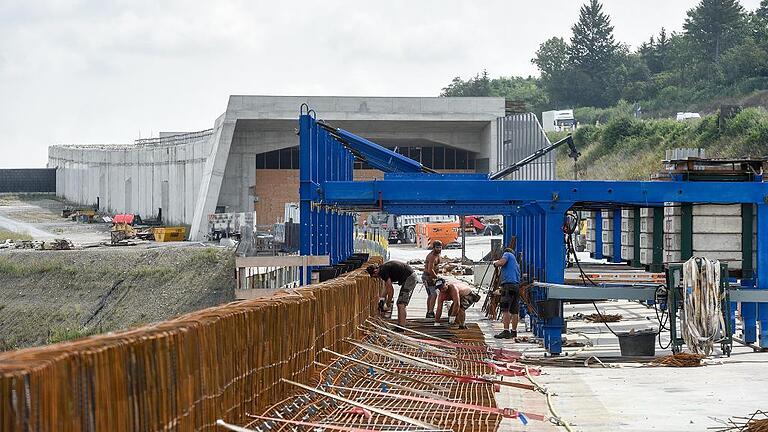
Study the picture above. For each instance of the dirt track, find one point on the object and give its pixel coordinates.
(47, 296)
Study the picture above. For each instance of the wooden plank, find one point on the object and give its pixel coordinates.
(283, 261)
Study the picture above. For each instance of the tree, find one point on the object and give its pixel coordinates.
(551, 57)
(663, 44)
(480, 85)
(595, 54)
(593, 48)
(744, 61)
(762, 11)
(714, 26)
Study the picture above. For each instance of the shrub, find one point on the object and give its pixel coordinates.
(620, 128)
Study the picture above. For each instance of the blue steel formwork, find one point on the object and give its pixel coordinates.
(325, 229)
(533, 211)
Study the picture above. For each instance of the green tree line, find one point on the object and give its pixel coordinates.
(721, 52)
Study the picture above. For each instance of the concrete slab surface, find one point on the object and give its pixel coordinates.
(619, 396)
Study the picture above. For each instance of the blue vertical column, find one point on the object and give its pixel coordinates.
(333, 229)
(750, 311)
(509, 229)
(305, 181)
(554, 268)
(617, 235)
(762, 270)
(539, 242)
(598, 234)
(322, 164)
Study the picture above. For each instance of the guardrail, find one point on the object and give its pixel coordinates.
(183, 374)
(372, 242)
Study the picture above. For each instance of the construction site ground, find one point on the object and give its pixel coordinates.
(39, 215)
(627, 396)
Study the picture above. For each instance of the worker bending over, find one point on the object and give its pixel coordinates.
(510, 291)
(462, 297)
(395, 272)
(429, 276)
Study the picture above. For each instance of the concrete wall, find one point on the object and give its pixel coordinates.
(133, 178)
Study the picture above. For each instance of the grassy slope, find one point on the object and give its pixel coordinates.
(626, 148)
(13, 235)
(58, 295)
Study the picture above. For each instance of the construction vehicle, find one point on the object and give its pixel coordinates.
(402, 229)
(428, 233)
(558, 120)
(124, 228)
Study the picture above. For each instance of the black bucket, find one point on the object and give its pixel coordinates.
(638, 344)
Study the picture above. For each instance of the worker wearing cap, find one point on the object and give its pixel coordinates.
(429, 276)
(510, 291)
(462, 297)
(402, 274)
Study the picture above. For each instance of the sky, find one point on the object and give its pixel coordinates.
(103, 72)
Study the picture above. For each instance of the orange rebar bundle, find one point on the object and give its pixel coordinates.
(602, 317)
(184, 374)
(679, 360)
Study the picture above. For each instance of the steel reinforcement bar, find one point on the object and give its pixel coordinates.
(184, 374)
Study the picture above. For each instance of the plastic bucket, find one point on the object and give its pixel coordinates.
(638, 344)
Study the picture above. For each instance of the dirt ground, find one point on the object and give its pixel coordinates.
(49, 296)
(39, 215)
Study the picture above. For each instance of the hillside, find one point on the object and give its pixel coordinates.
(49, 296)
(628, 148)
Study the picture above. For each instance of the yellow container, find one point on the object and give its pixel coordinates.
(167, 234)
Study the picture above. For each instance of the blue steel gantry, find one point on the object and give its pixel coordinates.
(533, 211)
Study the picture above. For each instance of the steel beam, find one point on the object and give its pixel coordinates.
(438, 190)
(603, 292)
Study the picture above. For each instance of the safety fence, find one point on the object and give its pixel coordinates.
(371, 241)
(184, 374)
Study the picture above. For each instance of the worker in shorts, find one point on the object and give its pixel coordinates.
(462, 297)
(395, 272)
(429, 276)
(510, 291)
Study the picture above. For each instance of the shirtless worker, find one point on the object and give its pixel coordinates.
(400, 273)
(462, 297)
(429, 276)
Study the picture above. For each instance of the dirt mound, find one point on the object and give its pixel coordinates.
(49, 296)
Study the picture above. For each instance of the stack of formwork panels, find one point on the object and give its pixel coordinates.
(646, 236)
(716, 233)
(590, 234)
(608, 233)
(673, 236)
(628, 235)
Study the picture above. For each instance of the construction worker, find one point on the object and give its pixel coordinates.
(429, 276)
(462, 297)
(510, 291)
(400, 273)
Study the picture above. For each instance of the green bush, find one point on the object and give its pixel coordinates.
(620, 128)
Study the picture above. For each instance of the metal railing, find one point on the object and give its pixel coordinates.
(372, 241)
(519, 136)
(175, 139)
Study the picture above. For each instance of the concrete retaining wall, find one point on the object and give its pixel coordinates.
(134, 178)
